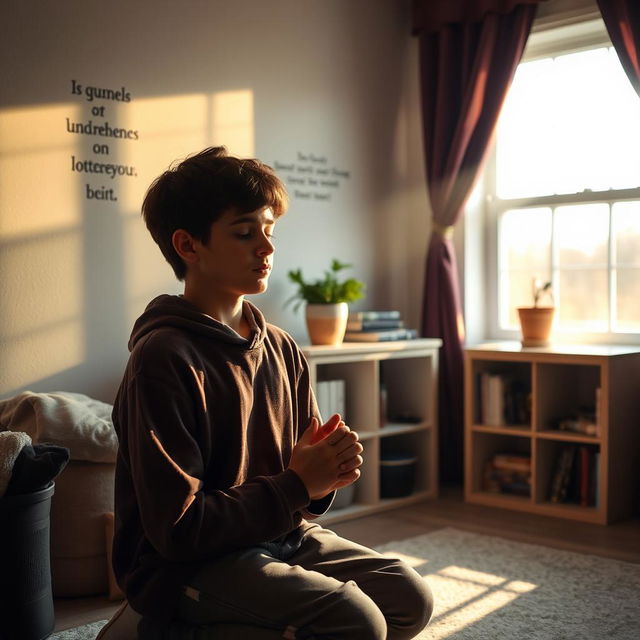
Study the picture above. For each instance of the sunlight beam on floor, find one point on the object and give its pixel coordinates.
(412, 561)
(477, 595)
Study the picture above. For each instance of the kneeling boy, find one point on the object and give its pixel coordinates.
(223, 460)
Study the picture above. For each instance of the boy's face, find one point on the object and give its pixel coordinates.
(238, 257)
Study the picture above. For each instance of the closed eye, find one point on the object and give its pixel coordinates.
(245, 235)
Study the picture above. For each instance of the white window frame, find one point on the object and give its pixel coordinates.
(559, 41)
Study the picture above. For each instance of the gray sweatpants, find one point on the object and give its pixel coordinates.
(328, 588)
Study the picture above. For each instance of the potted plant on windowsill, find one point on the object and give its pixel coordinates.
(326, 301)
(536, 322)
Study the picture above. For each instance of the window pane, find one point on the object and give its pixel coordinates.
(583, 300)
(525, 253)
(569, 124)
(628, 300)
(626, 233)
(582, 234)
(525, 134)
(580, 147)
(525, 239)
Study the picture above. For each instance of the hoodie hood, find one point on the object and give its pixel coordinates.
(176, 312)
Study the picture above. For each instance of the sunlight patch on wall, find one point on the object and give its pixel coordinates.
(37, 190)
(171, 128)
(41, 306)
(174, 127)
(233, 122)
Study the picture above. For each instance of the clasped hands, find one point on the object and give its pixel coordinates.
(327, 457)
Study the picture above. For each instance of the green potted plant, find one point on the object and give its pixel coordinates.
(326, 301)
(536, 322)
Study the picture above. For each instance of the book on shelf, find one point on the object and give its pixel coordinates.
(374, 325)
(362, 316)
(330, 398)
(584, 477)
(502, 400)
(384, 335)
(575, 478)
(492, 400)
(562, 474)
(594, 479)
(512, 462)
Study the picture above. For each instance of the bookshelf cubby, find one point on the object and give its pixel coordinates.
(600, 451)
(408, 369)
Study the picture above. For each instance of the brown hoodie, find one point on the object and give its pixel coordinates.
(206, 422)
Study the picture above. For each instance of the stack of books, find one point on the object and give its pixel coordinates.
(508, 473)
(377, 326)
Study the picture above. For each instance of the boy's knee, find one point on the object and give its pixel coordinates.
(357, 616)
(416, 599)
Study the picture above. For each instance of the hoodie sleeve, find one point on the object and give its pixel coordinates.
(183, 522)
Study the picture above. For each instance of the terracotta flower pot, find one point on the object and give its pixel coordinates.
(536, 323)
(327, 323)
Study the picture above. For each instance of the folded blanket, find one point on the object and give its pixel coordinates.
(11, 444)
(71, 420)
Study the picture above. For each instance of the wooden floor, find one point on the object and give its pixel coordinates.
(619, 541)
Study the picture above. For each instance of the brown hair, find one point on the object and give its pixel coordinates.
(197, 191)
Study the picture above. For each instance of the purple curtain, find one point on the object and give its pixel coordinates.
(469, 51)
(622, 18)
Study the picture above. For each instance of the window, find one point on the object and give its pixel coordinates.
(564, 195)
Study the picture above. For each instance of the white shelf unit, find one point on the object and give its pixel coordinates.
(409, 370)
(558, 380)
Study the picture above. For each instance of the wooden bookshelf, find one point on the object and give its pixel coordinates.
(409, 370)
(559, 380)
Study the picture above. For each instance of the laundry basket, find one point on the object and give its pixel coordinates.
(26, 601)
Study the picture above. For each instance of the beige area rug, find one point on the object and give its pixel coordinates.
(487, 588)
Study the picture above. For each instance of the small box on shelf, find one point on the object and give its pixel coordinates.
(397, 475)
(407, 456)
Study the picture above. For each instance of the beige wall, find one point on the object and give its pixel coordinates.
(336, 79)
